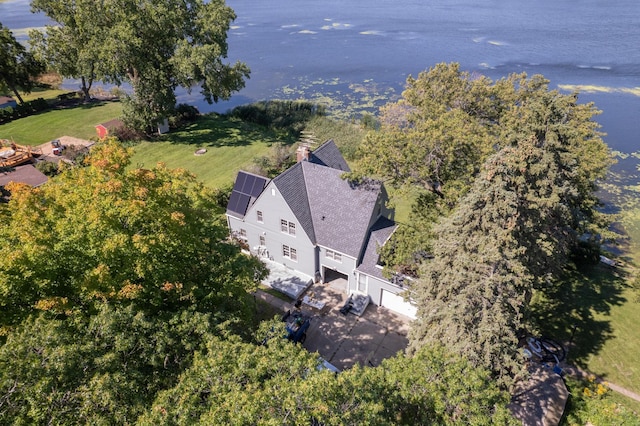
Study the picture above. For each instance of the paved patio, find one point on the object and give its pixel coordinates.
(346, 340)
(286, 280)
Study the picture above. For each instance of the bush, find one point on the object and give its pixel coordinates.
(287, 115)
(279, 159)
(75, 153)
(6, 114)
(370, 122)
(183, 114)
(23, 110)
(48, 168)
(126, 134)
(590, 402)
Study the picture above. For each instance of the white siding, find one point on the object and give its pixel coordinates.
(396, 303)
(274, 209)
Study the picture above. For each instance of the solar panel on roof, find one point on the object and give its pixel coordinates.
(248, 183)
(246, 187)
(238, 203)
(258, 186)
(233, 201)
(239, 182)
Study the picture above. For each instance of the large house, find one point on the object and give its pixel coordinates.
(312, 221)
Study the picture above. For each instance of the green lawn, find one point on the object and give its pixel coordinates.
(618, 359)
(78, 121)
(231, 145)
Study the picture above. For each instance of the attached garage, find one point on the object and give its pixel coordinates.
(335, 279)
(397, 304)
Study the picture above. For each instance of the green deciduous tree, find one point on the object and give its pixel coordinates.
(71, 48)
(154, 238)
(511, 169)
(446, 125)
(105, 369)
(155, 46)
(18, 67)
(240, 383)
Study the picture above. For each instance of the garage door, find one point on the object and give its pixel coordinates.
(397, 304)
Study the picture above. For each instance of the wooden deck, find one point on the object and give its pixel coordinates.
(22, 154)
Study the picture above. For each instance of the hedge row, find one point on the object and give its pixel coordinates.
(23, 110)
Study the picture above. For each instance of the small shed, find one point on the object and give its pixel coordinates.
(7, 101)
(163, 126)
(103, 129)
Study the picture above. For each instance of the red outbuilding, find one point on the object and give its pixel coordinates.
(105, 128)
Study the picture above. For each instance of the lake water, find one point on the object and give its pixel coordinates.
(354, 55)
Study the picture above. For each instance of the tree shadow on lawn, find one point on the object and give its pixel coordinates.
(79, 104)
(566, 313)
(213, 130)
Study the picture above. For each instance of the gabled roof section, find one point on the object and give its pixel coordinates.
(291, 185)
(329, 155)
(341, 212)
(334, 212)
(381, 231)
(246, 189)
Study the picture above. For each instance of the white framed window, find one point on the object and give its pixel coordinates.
(362, 283)
(289, 253)
(243, 234)
(263, 240)
(287, 227)
(330, 254)
(259, 216)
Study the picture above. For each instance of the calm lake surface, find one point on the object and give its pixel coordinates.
(354, 55)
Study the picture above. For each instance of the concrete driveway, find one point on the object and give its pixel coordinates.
(346, 340)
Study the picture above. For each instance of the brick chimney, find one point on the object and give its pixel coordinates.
(302, 153)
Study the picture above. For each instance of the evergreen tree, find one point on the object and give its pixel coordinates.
(434, 141)
(509, 235)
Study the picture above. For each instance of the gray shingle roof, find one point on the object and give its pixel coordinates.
(23, 174)
(291, 185)
(329, 155)
(333, 212)
(380, 233)
(340, 212)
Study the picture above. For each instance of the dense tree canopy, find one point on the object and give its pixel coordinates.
(153, 238)
(436, 138)
(102, 369)
(18, 67)
(514, 166)
(111, 278)
(239, 383)
(123, 367)
(71, 47)
(155, 46)
(119, 300)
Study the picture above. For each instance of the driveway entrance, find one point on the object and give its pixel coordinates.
(336, 280)
(345, 340)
